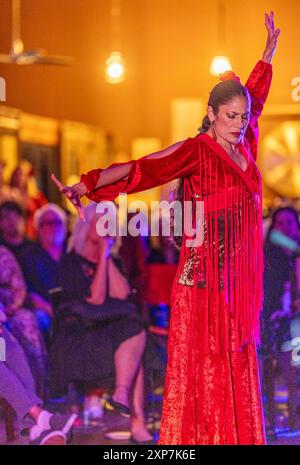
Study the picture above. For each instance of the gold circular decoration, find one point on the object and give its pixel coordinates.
(280, 161)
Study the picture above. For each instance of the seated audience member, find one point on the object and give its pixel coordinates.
(13, 227)
(106, 338)
(130, 254)
(18, 389)
(41, 261)
(27, 193)
(21, 321)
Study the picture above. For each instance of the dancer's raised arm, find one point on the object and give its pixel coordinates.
(272, 38)
(259, 83)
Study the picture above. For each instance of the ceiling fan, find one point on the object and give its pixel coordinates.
(20, 56)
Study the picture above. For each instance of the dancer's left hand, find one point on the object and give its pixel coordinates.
(272, 39)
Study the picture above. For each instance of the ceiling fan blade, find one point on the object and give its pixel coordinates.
(54, 60)
(6, 58)
(39, 56)
(18, 55)
(24, 59)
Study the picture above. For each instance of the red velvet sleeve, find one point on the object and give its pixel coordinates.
(258, 85)
(146, 173)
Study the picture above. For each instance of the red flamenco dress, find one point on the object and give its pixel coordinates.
(212, 390)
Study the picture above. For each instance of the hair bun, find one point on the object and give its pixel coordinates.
(230, 76)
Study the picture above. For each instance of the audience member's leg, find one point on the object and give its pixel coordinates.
(25, 328)
(269, 384)
(289, 374)
(16, 382)
(127, 361)
(138, 421)
(17, 387)
(16, 360)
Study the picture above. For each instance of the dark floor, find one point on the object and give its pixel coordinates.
(87, 432)
(95, 433)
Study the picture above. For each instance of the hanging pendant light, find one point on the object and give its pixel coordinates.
(115, 68)
(221, 63)
(115, 64)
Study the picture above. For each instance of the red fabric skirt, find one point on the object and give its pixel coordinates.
(209, 398)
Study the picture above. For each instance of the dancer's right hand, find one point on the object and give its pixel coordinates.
(272, 39)
(73, 194)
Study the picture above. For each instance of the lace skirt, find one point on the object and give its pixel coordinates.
(209, 398)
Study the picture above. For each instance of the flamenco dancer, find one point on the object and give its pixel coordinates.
(212, 390)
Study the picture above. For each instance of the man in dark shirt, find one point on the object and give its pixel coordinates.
(13, 227)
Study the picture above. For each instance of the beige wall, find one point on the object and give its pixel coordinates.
(168, 45)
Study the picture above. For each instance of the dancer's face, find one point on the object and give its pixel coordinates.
(231, 120)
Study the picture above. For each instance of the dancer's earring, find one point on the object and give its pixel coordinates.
(212, 124)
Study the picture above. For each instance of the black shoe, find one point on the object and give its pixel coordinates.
(112, 404)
